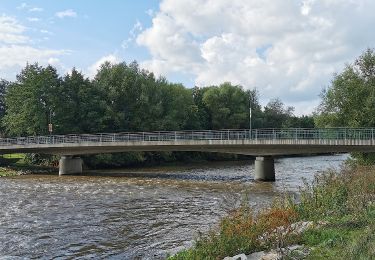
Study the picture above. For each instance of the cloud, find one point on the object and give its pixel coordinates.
(22, 6)
(66, 13)
(30, 8)
(150, 12)
(16, 48)
(92, 70)
(11, 31)
(288, 49)
(36, 9)
(46, 32)
(33, 19)
(137, 28)
(17, 55)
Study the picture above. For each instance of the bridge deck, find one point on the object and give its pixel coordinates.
(256, 142)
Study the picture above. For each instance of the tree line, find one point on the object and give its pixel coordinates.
(123, 97)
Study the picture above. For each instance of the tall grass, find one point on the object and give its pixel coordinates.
(344, 201)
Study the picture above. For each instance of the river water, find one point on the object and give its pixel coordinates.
(134, 214)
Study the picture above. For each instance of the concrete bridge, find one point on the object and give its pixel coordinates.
(263, 143)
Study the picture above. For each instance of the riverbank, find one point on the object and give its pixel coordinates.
(339, 207)
(18, 170)
(7, 172)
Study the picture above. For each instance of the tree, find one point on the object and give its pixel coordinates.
(31, 100)
(78, 105)
(276, 114)
(227, 105)
(350, 99)
(3, 89)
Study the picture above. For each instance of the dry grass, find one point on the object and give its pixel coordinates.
(343, 199)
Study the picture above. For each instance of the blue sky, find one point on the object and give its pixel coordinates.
(288, 49)
(90, 29)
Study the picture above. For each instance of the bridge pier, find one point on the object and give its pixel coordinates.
(70, 165)
(264, 169)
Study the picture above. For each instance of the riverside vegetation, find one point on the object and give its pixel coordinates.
(340, 206)
(19, 164)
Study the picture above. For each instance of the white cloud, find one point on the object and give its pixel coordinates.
(287, 49)
(46, 32)
(11, 31)
(30, 8)
(66, 13)
(22, 6)
(36, 9)
(33, 19)
(137, 28)
(16, 48)
(150, 12)
(91, 71)
(17, 55)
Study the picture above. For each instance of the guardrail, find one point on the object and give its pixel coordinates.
(245, 134)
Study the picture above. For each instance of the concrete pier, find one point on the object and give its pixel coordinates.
(264, 169)
(70, 165)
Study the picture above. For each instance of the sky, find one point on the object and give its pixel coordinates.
(287, 49)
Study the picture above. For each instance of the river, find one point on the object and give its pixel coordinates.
(134, 214)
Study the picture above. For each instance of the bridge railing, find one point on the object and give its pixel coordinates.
(244, 134)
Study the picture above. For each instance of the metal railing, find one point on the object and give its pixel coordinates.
(245, 134)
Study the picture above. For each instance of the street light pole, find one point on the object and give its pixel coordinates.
(250, 125)
(50, 122)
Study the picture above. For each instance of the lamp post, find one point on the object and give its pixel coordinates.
(250, 114)
(50, 122)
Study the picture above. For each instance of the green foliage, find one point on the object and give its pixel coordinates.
(227, 105)
(122, 97)
(30, 100)
(3, 89)
(276, 114)
(349, 100)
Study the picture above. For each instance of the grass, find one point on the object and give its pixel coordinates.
(17, 164)
(6, 172)
(342, 202)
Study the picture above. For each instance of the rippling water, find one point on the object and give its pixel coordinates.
(136, 214)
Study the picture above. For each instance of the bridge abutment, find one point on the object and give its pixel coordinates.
(264, 169)
(70, 165)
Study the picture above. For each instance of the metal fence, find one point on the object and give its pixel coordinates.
(245, 134)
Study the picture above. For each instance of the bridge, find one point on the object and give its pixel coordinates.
(263, 143)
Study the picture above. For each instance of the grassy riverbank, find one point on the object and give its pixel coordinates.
(15, 165)
(7, 172)
(339, 208)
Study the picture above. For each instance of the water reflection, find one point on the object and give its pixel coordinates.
(141, 213)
